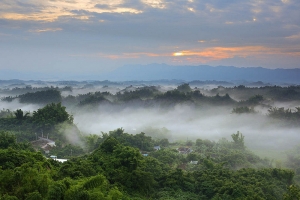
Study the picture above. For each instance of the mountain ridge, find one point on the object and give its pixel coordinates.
(156, 71)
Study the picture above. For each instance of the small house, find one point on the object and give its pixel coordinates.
(51, 144)
(184, 150)
(156, 148)
(53, 157)
(144, 153)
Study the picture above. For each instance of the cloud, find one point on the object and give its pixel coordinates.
(205, 55)
(131, 55)
(40, 16)
(294, 37)
(220, 53)
(211, 54)
(4, 35)
(161, 4)
(149, 30)
(46, 30)
(50, 11)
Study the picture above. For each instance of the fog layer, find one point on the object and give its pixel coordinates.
(185, 122)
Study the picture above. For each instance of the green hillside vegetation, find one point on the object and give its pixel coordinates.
(286, 114)
(41, 97)
(38, 97)
(117, 170)
(118, 165)
(151, 95)
(276, 93)
(243, 109)
(46, 120)
(29, 89)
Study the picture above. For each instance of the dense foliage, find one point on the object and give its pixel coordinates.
(286, 114)
(119, 165)
(41, 97)
(243, 109)
(45, 120)
(116, 170)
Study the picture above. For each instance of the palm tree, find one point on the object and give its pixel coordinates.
(20, 115)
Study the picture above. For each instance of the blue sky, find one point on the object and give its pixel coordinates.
(94, 36)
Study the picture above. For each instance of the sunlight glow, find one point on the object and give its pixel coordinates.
(191, 9)
(219, 53)
(178, 54)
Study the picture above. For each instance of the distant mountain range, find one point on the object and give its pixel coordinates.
(203, 73)
(166, 72)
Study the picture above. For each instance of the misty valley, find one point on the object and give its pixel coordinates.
(165, 140)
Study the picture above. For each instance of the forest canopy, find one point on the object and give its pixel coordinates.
(45, 153)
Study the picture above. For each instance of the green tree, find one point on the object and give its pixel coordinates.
(164, 142)
(91, 141)
(50, 115)
(184, 88)
(56, 191)
(34, 196)
(114, 194)
(20, 114)
(254, 100)
(41, 97)
(243, 109)
(7, 140)
(238, 139)
(292, 193)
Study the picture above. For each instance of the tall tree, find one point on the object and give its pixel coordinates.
(50, 115)
(20, 114)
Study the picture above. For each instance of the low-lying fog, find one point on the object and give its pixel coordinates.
(111, 89)
(182, 122)
(187, 122)
(15, 104)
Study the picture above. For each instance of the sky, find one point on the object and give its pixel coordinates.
(95, 36)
